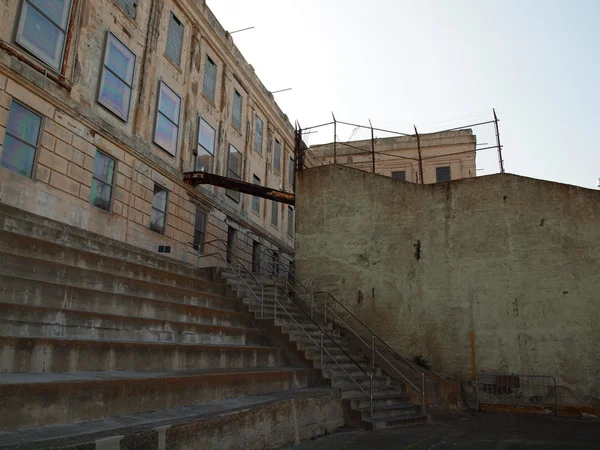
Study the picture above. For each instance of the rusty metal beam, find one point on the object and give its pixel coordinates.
(195, 178)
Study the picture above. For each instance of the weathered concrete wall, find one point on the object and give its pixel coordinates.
(513, 260)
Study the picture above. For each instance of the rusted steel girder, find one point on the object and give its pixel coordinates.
(195, 178)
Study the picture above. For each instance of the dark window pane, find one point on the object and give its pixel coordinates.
(204, 162)
(277, 156)
(442, 174)
(100, 194)
(291, 172)
(40, 36)
(235, 162)
(174, 40)
(258, 135)
(56, 10)
(17, 156)
(399, 175)
(159, 200)
(129, 6)
(236, 116)
(23, 124)
(199, 230)
(274, 213)
(114, 94)
(104, 168)
(210, 80)
(157, 221)
(290, 228)
(256, 200)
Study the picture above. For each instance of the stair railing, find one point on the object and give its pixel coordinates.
(374, 336)
(320, 346)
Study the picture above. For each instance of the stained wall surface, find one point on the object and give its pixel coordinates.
(513, 261)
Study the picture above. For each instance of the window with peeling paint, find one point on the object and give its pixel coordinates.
(117, 77)
(236, 114)
(258, 135)
(174, 39)
(277, 156)
(102, 181)
(21, 140)
(234, 170)
(130, 7)
(209, 85)
(167, 119)
(159, 209)
(42, 29)
(206, 146)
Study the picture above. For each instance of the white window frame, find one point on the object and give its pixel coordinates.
(111, 184)
(35, 147)
(162, 85)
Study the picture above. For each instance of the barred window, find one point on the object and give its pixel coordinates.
(399, 175)
(234, 170)
(167, 119)
(21, 140)
(102, 181)
(442, 174)
(174, 39)
(117, 77)
(130, 7)
(159, 209)
(209, 86)
(277, 156)
(42, 29)
(206, 146)
(236, 114)
(258, 135)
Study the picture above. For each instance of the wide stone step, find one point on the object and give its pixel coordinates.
(396, 422)
(52, 272)
(34, 400)
(270, 312)
(388, 411)
(347, 382)
(36, 249)
(349, 369)
(389, 390)
(36, 354)
(28, 224)
(24, 320)
(380, 399)
(25, 291)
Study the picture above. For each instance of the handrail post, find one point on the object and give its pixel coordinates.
(322, 366)
(422, 392)
(371, 393)
(373, 351)
(275, 310)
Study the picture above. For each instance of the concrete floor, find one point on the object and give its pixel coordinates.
(482, 431)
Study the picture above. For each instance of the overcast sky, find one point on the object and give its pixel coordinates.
(438, 64)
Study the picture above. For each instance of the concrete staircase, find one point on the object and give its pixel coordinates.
(91, 329)
(291, 318)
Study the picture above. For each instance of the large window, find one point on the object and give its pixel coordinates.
(277, 156)
(130, 6)
(42, 29)
(167, 119)
(234, 170)
(206, 146)
(200, 230)
(274, 214)
(174, 40)
(442, 174)
(399, 175)
(117, 77)
(102, 181)
(255, 199)
(236, 114)
(159, 209)
(291, 171)
(21, 140)
(209, 86)
(290, 224)
(258, 135)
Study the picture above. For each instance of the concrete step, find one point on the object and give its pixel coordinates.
(37, 354)
(396, 422)
(344, 382)
(30, 292)
(265, 280)
(36, 249)
(270, 312)
(388, 411)
(380, 399)
(349, 369)
(34, 400)
(208, 426)
(25, 223)
(24, 320)
(314, 352)
(289, 326)
(52, 272)
(389, 390)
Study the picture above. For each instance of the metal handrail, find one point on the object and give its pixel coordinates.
(421, 391)
(323, 333)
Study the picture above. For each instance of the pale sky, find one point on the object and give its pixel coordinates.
(438, 64)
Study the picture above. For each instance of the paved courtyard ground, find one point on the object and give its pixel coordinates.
(482, 431)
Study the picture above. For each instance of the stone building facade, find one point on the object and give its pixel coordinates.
(447, 155)
(105, 103)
